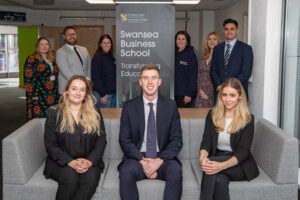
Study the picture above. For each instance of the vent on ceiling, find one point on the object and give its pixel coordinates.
(43, 2)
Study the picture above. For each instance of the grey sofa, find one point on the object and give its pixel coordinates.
(275, 152)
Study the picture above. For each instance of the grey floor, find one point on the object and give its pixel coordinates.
(12, 111)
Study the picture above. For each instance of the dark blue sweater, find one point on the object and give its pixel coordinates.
(186, 70)
(104, 74)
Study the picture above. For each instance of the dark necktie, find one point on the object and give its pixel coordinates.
(227, 54)
(151, 134)
(75, 49)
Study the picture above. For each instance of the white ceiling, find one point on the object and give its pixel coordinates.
(83, 5)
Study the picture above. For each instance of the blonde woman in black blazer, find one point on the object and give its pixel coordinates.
(225, 149)
(75, 141)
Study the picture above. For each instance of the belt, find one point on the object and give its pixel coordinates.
(224, 151)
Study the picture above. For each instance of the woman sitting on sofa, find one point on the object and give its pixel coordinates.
(75, 141)
(225, 149)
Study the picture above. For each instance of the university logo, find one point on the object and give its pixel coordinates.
(123, 17)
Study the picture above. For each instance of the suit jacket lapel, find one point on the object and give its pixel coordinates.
(233, 52)
(159, 118)
(141, 115)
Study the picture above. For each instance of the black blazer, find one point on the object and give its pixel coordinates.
(239, 65)
(240, 143)
(169, 133)
(65, 147)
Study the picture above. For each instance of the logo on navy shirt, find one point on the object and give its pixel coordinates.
(183, 62)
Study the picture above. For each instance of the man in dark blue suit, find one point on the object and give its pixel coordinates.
(151, 138)
(231, 58)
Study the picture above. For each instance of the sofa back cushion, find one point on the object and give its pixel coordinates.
(196, 133)
(106, 154)
(184, 154)
(276, 152)
(115, 150)
(23, 152)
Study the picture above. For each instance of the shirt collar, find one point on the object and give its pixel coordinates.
(146, 101)
(71, 46)
(232, 43)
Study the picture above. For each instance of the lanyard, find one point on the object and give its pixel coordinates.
(49, 63)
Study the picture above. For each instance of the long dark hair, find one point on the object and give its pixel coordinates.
(187, 37)
(100, 51)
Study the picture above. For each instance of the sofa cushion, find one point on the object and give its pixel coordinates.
(111, 184)
(184, 154)
(115, 150)
(38, 187)
(106, 154)
(22, 156)
(196, 133)
(259, 188)
(276, 152)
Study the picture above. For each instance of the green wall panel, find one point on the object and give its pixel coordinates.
(27, 37)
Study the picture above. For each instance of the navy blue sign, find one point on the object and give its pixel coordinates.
(12, 16)
(145, 35)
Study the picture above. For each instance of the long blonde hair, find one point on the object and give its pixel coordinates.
(241, 115)
(206, 49)
(37, 53)
(89, 117)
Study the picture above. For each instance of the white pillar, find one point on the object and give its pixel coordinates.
(265, 30)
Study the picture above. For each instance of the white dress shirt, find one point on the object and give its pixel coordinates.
(147, 111)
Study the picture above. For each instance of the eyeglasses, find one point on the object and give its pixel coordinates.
(71, 34)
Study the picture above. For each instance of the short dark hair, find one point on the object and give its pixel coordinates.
(68, 28)
(150, 67)
(230, 21)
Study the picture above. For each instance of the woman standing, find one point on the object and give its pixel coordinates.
(75, 141)
(185, 70)
(225, 149)
(104, 73)
(205, 95)
(40, 80)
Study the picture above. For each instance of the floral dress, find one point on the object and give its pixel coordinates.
(41, 87)
(205, 84)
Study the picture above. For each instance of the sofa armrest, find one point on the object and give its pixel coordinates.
(23, 152)
(276, 152)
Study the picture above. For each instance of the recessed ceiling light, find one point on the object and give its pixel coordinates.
(186, 1)
(101, 1)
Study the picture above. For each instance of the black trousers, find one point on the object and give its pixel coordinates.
(215, 187)
(131, 171)
(180, 102)
(75, 186)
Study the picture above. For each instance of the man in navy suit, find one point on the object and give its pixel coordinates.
(151, 138)
(231, 58)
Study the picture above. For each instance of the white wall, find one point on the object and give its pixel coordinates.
(265, 28)
(8, 29)
(236, 11)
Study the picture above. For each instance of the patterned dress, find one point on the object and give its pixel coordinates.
(205, 84)
(39, 82)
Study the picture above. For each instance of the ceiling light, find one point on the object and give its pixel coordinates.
(186, 1)
(101, 1)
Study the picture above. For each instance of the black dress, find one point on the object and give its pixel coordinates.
(64, 147)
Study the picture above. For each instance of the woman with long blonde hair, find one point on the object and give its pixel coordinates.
(40, 80)
(225, 152)
(205, 91)
(75, 141)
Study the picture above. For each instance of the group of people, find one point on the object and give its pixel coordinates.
(197, 83)
(46, 77)
(150, 129)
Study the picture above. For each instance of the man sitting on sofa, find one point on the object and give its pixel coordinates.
(151, 138)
